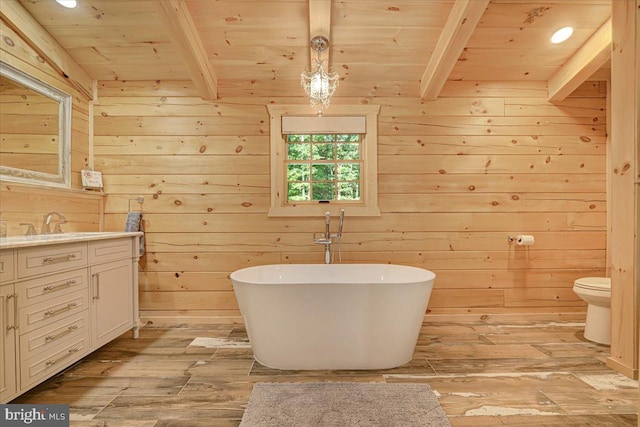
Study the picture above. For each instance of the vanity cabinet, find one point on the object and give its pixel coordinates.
(62, 301)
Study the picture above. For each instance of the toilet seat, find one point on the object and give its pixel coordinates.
(594, 283)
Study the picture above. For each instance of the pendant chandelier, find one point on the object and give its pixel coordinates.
(318, 84)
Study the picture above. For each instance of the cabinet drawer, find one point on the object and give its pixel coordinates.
(41, 366)
(7, 270)
(49, 259)
(46, 312)
(45, 288)
(110, 250)
(45, 338)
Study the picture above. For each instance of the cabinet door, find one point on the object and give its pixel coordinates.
(111, 300)
(8, 319)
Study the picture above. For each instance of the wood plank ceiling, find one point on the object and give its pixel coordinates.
(384, 48)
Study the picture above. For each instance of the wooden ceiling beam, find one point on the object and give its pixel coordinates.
(186, 39)
(320, 25)
(462, 21)
(587, 60)
(16, 17)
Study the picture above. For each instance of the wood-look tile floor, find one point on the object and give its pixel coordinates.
(485, 374)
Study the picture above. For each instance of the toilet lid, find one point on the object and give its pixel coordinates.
(594, 283)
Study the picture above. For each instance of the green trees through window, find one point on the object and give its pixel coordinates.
(324, 167)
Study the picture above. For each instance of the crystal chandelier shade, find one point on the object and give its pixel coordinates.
(319, 85)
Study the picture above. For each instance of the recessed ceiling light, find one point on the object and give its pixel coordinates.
(68, 3)
(561, 35)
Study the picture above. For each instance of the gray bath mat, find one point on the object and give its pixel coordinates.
(343, 405)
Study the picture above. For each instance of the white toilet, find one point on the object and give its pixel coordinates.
(596, 291)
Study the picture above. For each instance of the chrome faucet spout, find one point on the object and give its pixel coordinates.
(46, 229)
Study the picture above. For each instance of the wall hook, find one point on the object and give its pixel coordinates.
(139, 200)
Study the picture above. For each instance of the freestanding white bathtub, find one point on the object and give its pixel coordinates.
(333, 316)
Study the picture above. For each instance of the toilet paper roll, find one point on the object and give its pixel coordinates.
(525, 240)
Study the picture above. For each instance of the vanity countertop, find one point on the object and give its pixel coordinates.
(55, 239)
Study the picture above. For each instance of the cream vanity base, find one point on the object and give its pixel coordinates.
(61, 297)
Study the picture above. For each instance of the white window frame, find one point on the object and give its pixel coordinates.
(368, 206)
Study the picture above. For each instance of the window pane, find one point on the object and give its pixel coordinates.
(348, 191)
(298, 191)
(348, 151)
(298, 172)
(349, 171)
(323, 172)
(323, 152)
(298, 151)
(348, 137)
(298, 138)
(323, 138)
(324, 190)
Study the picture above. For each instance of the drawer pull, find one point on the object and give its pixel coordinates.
(15, 312)
(62, 258)
(54, 361)
(97, 294)
(60, 310)
(70, 329)
(66, 284)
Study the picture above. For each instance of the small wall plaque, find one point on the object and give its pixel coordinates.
(91, 180)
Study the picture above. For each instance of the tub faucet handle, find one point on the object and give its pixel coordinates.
(327, 227)
(341, 223)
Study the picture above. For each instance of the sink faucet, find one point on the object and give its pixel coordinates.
(46, 229)
(329, 239)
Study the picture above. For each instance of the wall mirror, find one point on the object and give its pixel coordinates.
(35, 130)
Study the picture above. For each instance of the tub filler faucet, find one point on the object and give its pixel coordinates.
(328, 239)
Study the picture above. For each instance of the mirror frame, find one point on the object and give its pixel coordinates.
(24, 176)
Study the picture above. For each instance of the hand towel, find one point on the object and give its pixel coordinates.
(135, 223)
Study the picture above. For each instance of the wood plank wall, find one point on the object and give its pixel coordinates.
(456, 177)
(25, 203)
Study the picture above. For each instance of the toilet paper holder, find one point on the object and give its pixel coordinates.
(521, 239)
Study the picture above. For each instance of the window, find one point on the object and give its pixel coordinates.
(323, 167)
(322, 163)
